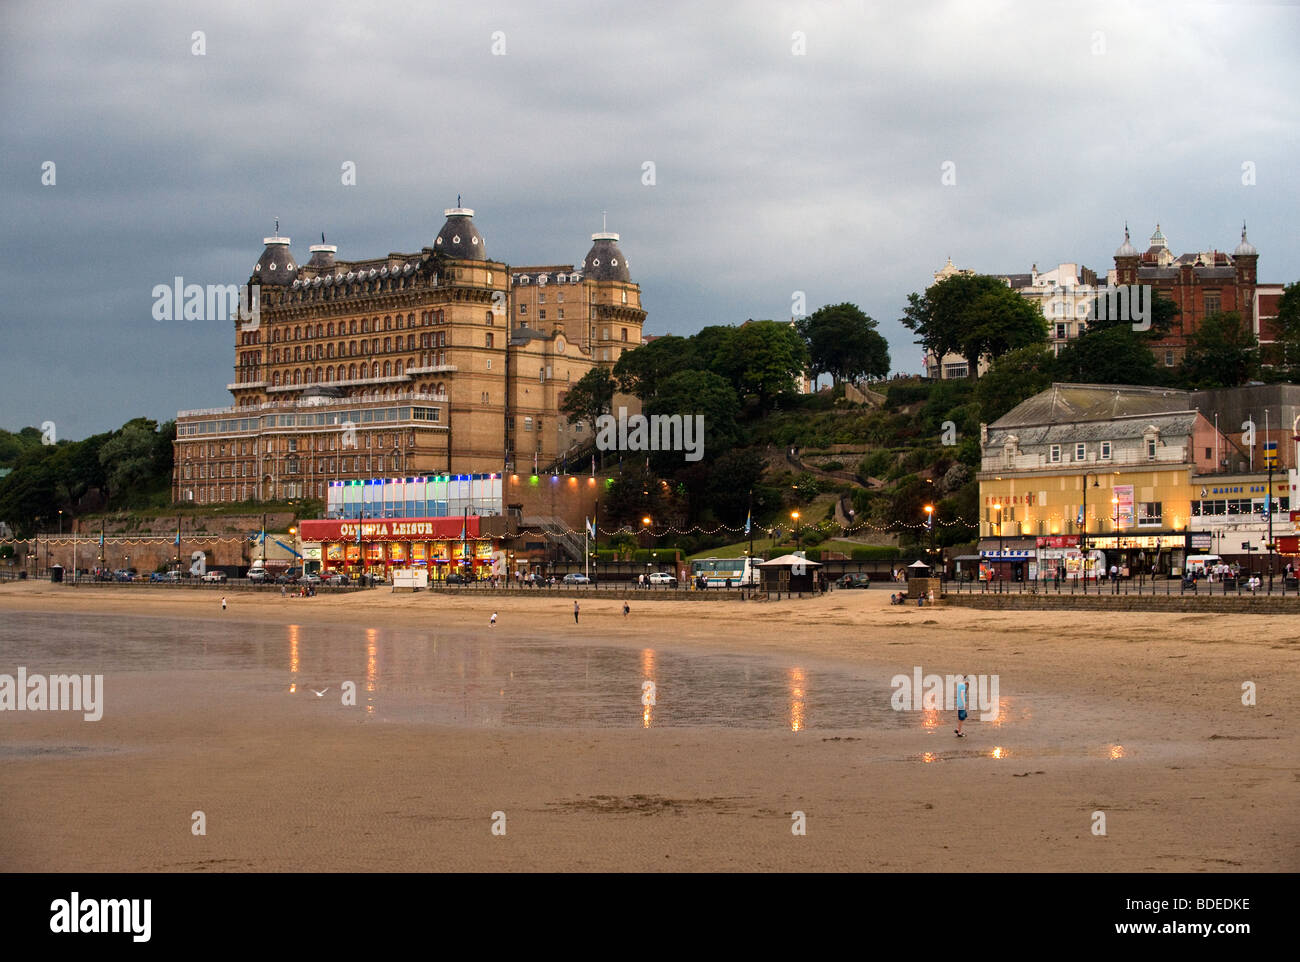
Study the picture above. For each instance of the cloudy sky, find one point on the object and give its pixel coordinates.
(795, 147)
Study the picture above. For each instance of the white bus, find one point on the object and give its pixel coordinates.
(716, 572)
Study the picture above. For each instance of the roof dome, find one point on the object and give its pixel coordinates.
(1127, 250)
(459, 237)
(322, 254)
(605, 262)
(276, 267)
(1245, 248)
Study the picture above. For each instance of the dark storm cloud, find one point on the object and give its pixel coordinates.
(775, 172)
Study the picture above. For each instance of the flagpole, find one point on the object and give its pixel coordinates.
(595, 526)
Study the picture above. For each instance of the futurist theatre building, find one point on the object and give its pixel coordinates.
(440, 363)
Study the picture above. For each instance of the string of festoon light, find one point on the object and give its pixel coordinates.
(660, 531)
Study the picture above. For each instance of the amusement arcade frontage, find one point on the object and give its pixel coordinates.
(439, 545)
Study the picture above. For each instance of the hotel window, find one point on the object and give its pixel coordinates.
(488, 320)
(489, 364)
(625, 297)
(541, 298)
(523, 308)
(528, 424)
(379, 463)
(559, 299)
(1151, 449)
(293, 444)
(605, 334)
(623, 331)
(1081, 452)
(1083, 328)
(1105, 451)
(561, 313)
(1213, 303)
(1060, 332)
(541, 315)
(1054, 454)
(1169, 358)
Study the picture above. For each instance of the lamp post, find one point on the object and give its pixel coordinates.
(997, 506)
(794, 516)
(1083, 537)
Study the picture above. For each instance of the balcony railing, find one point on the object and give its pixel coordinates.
(291, 404)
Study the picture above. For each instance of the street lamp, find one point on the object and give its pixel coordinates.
(1083, 537)
(929, 523)
(794, 516)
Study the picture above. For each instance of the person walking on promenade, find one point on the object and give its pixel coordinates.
(223, 602)
(492, 622)
(626, 609)
(575, 612)
(961, 706)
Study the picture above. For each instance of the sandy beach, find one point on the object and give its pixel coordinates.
(1137, 716)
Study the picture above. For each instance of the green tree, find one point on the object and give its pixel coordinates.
(764, 358)
(974, 315)
(642, 370)
(844, 343)
(590, 397)
(1222, 353)
(129, 459)
(691, 393)
(1285, 352)
(1012, 378)
(1114, 354)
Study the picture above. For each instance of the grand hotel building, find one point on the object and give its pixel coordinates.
(438, 363)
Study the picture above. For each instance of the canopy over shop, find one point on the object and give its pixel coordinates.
(440, 545)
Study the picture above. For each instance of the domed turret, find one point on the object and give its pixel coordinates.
(459, 237)
(1245, 248)
(605, 262)
(1127, 250)
(322, 255)
(276, 267)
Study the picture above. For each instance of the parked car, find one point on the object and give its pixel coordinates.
(338, 578)
(855, 581)
(309, 579)
(456, 578)
(289, 577)
(662, 578)
(258, 574)
(216, 577)
(124, 574)
(576, 578)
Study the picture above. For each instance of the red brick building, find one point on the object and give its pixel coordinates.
(1200, 284)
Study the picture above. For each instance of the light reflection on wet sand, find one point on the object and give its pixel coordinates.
(493, 680)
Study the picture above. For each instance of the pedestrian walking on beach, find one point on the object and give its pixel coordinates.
(223, 602)
(961, 705)
(626, 609)
(284, 591)
(575, 612)
(492, 622)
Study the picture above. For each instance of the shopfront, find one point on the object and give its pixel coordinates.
(1007, 559)
(439, 545)
(1060, 558)
(1161, 554)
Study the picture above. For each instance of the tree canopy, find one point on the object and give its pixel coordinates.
(844, 343)
(974, 315)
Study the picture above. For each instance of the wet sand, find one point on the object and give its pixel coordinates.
(757, 715)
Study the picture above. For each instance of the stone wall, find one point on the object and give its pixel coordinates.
(1232, 604)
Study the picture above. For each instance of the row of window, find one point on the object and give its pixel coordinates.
(295, 466)
(1055, 455)
(314, 442)
(1251, 506)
